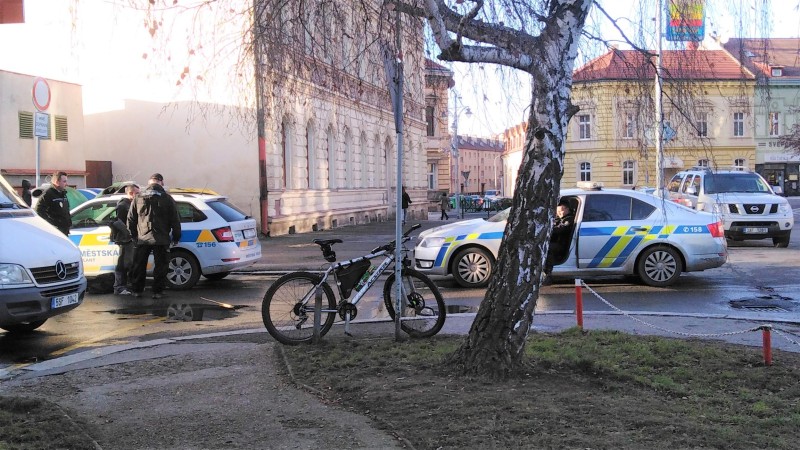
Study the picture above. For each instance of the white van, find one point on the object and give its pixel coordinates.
(41, 272)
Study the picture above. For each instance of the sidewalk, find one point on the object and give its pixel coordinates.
(228, 389)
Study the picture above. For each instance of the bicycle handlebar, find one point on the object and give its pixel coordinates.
(390, 246)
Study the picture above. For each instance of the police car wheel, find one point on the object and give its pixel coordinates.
(473, 267)
(659, 266)
(184, 271)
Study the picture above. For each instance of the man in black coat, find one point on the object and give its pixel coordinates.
(122, 237)
(154, 224)
(26, 192)
(53, 205)
(560, 239)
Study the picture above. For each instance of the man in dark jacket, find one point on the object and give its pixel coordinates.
(122, 237)
(560, 239)
(406, 200)
(154, 224)
(26, 192)
(53, 205)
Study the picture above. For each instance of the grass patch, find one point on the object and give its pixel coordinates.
(29, 423)
(599, 390)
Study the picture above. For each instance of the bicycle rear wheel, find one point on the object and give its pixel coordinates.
(423, 307)
(287, 319)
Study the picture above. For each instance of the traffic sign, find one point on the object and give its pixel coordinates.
(41, 120)
(41, 94)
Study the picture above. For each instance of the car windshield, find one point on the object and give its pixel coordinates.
(9, 199)
(501, 216)
(228, 210)
(734, 182)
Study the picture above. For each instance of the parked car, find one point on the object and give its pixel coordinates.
(90, 193)
(41, 274)
(216, 238)
(616, 232)
(744, 201)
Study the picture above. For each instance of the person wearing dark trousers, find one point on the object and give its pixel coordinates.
(406, 201)
(445, 202)
(154, 225)
(122, 237)
(560, 239)
(53, 205)
(26, 192)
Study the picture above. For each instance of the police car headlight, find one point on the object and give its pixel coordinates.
(13, 274)
(432, 242)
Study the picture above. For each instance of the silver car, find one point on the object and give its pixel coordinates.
(616, 232)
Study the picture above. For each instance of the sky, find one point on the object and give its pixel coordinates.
(497, 103)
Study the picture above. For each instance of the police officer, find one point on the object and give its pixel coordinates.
(53, 206)
(560, 239)
(153, 223)
(122, 237)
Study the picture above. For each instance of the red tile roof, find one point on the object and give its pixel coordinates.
(760, 55)
(676, 64)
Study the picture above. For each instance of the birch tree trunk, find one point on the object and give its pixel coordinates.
(496, 340)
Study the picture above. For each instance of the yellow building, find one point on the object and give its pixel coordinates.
(707, 110)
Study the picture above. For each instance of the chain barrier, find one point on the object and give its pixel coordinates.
(666, 330)
(785, 334)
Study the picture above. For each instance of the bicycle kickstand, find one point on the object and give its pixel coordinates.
(347, 324)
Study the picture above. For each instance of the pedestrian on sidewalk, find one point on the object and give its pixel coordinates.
(445, 206)
(154, 224)
(406, 201)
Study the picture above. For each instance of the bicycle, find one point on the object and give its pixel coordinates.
(288, 306)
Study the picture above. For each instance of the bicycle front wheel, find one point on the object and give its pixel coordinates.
(423, 307)
(288, 308)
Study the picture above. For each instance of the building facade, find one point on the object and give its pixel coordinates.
(438, 140)
(480, 164)
(318, 150)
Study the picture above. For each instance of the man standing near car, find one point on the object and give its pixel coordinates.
(154, 224)
(122, 237)
(560, 239)
(53, 206)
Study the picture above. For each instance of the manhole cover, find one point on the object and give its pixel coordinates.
(769, 308)
(759, 306)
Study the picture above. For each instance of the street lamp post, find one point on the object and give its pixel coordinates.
(456, 113)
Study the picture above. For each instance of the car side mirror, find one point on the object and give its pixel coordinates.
(777, 189)
(691, 190)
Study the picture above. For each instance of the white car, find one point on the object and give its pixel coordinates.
(616, 232)
(216, 238)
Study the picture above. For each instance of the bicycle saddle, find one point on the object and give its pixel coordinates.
(324, 242)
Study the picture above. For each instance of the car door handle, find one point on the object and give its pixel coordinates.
(638, 228)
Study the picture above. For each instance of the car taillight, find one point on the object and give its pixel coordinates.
(717, 229)
(223, 234)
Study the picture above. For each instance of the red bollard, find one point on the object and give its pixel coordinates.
(579, 302)
(767, 340)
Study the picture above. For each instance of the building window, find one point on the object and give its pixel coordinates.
(738, 124)
(429, 119)
(628, 172)
(585, 126)
(25, 125)
(739, 164)
(585, 171)
(702, 163)
(630, 126)
(774, 128)
(432, 176)
(702, 124)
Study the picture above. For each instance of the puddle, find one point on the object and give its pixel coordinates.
(181, 312)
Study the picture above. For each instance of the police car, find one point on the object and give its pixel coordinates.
(216, 237)
(616, 232)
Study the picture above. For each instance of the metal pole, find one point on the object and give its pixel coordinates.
(398, 228)
(659, 112)
(37, 182)
(315, 338)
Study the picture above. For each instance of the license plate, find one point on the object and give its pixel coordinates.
(249, 233)
(64, 300)
(756, 230)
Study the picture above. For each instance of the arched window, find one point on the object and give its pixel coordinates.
(585, 171)
(364, 177)
(330, 146)
(348, 158)
(311, 154)
(628, 173)
(286, 155)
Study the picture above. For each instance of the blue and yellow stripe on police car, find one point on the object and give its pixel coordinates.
(451, 242)
(624, 240)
